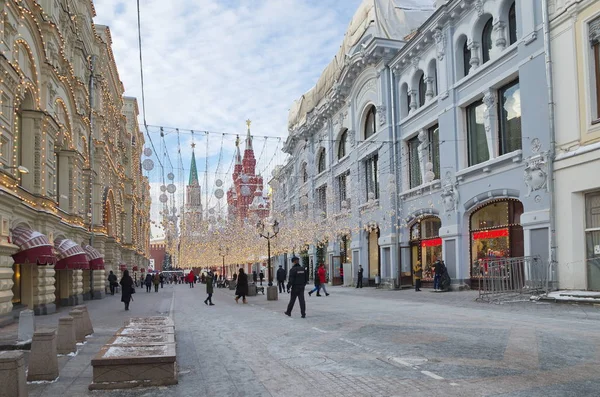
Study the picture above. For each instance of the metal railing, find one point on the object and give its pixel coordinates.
(513, 279)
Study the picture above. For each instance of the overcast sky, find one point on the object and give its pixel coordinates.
(211, 64)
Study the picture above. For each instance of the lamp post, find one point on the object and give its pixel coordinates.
(223, 252)
(268, 228)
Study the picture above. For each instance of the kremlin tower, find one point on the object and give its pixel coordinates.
(192, 216)
(245, 198)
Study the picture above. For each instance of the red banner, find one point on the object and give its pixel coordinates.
(434, 242)
(487, 234)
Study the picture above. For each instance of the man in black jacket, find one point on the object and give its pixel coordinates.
(360, 277)
(281, 279)
(298, 282)
(112, 282)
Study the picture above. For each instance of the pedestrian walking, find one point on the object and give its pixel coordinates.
(126, 288)
(360, 277)
(162, 280)
(112, 282)
(241, 290)
(298, 282)
(148, 282)
(317, 286)
(418, 270)
(209, 289)
(254, 276)
(190, 278)
(261, 275)
(156, 281)
(234, 277)
(438, 270)
(281, 279)
(322, 273)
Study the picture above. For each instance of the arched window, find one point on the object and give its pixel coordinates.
(342, 145)
(512, 24)
(422, 90)
(486, 41)
(370, 124)
(322, 163)
(466, 55)
(304, 173)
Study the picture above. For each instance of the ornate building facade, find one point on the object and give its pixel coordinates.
(74, 203)
(426, 138)
(245, 198)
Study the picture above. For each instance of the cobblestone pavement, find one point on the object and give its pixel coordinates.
(363, 342)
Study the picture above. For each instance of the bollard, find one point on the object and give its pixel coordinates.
(43, 363)
(26, 325)
(87, 322)
(66, 342)
(79, 326)
(12, 374)
(272, 293)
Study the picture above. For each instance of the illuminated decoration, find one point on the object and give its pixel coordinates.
(163, 188)
(435, 242)
(147, 152)
(170, 176)
(171, 188)
(219, 193)
(148, 164)
(219, 183)
(488, 234)
(163, 198)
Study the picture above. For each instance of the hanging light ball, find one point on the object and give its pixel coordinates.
(219, 183)
(174, 210)
(170, 176)
(163, 188)
(148, 164)
(147, 152)
(163, 198)
(171, 188)
(219, 193)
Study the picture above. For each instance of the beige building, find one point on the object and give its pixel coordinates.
(69, 170)
(575, 49)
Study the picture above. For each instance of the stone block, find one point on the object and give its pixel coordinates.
(152, 321)
(79, 325)
(87, 322)
(12, 374)
(141, 339)
(232, 285)
(272, 293)
(43, 363)
(66, 342)
(26, 325)
(252, 289)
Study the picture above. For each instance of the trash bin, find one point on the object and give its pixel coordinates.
(377, 281)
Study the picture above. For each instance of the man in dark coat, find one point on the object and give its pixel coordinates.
(148, 282)
(281, 279)
(254, 276)
(112, 282)
(126, 288)
(298, 282)
(241, 289)
(360, 277)
(261, 276)
(209, 289)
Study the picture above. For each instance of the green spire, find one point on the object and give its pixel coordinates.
(193, 172)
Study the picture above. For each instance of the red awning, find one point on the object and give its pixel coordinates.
(70, 255)
(94, 257)
(34, 247)
(135, 269)
(122, 267)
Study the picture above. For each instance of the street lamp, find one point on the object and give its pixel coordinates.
(268, 228)
(223, 252)
(21, 169)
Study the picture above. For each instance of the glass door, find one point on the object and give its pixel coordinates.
(592, 238)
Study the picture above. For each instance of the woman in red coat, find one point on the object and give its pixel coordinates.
(190, 279)
(322, 278)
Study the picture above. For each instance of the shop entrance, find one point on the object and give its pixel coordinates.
(374, 259)
(592, 239)
(16, 289)
(425, 246)
(496, 233)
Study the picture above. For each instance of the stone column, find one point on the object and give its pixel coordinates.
(490, 117)
(500, 29)
(43, 289)
(413, 100)
(473, 46)
(76, 287)
(429, 94)
(6, 281)
(99, 278)
(12, 374)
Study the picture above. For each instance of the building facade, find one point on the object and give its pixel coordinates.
(575, 49)
(427, 137)
(73, 201)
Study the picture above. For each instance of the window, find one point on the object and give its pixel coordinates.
(434, 149)
(510, 118)
(596, 49)
(342, 145)
(4, 149)
(486, 41)
(322, 162)
(322, 200)
(414, 163)
(372, 184)
(466, 53)
(422, 90)
(512, 24)
(343, 190)
(476, 139)
(408, 101)
(370, 124)
(304, 173)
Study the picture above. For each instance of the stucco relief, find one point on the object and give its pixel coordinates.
(369, 86)
(382, 114)
(536, 173)
(440, 41)
(450, 197)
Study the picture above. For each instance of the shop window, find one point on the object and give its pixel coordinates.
(343, 190)
(422, 90)
(510, 117)
(370, 123)
(372, 177)
(414, 164)
(342, 145)
(594, 33)
(426, 244)
(476, 139)
(434, 149)
(592, 237)
(322, 200)
(322, 162)
(512, 24)
(486, 41)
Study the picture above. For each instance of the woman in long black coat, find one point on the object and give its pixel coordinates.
(126, 287)
(241, 290)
